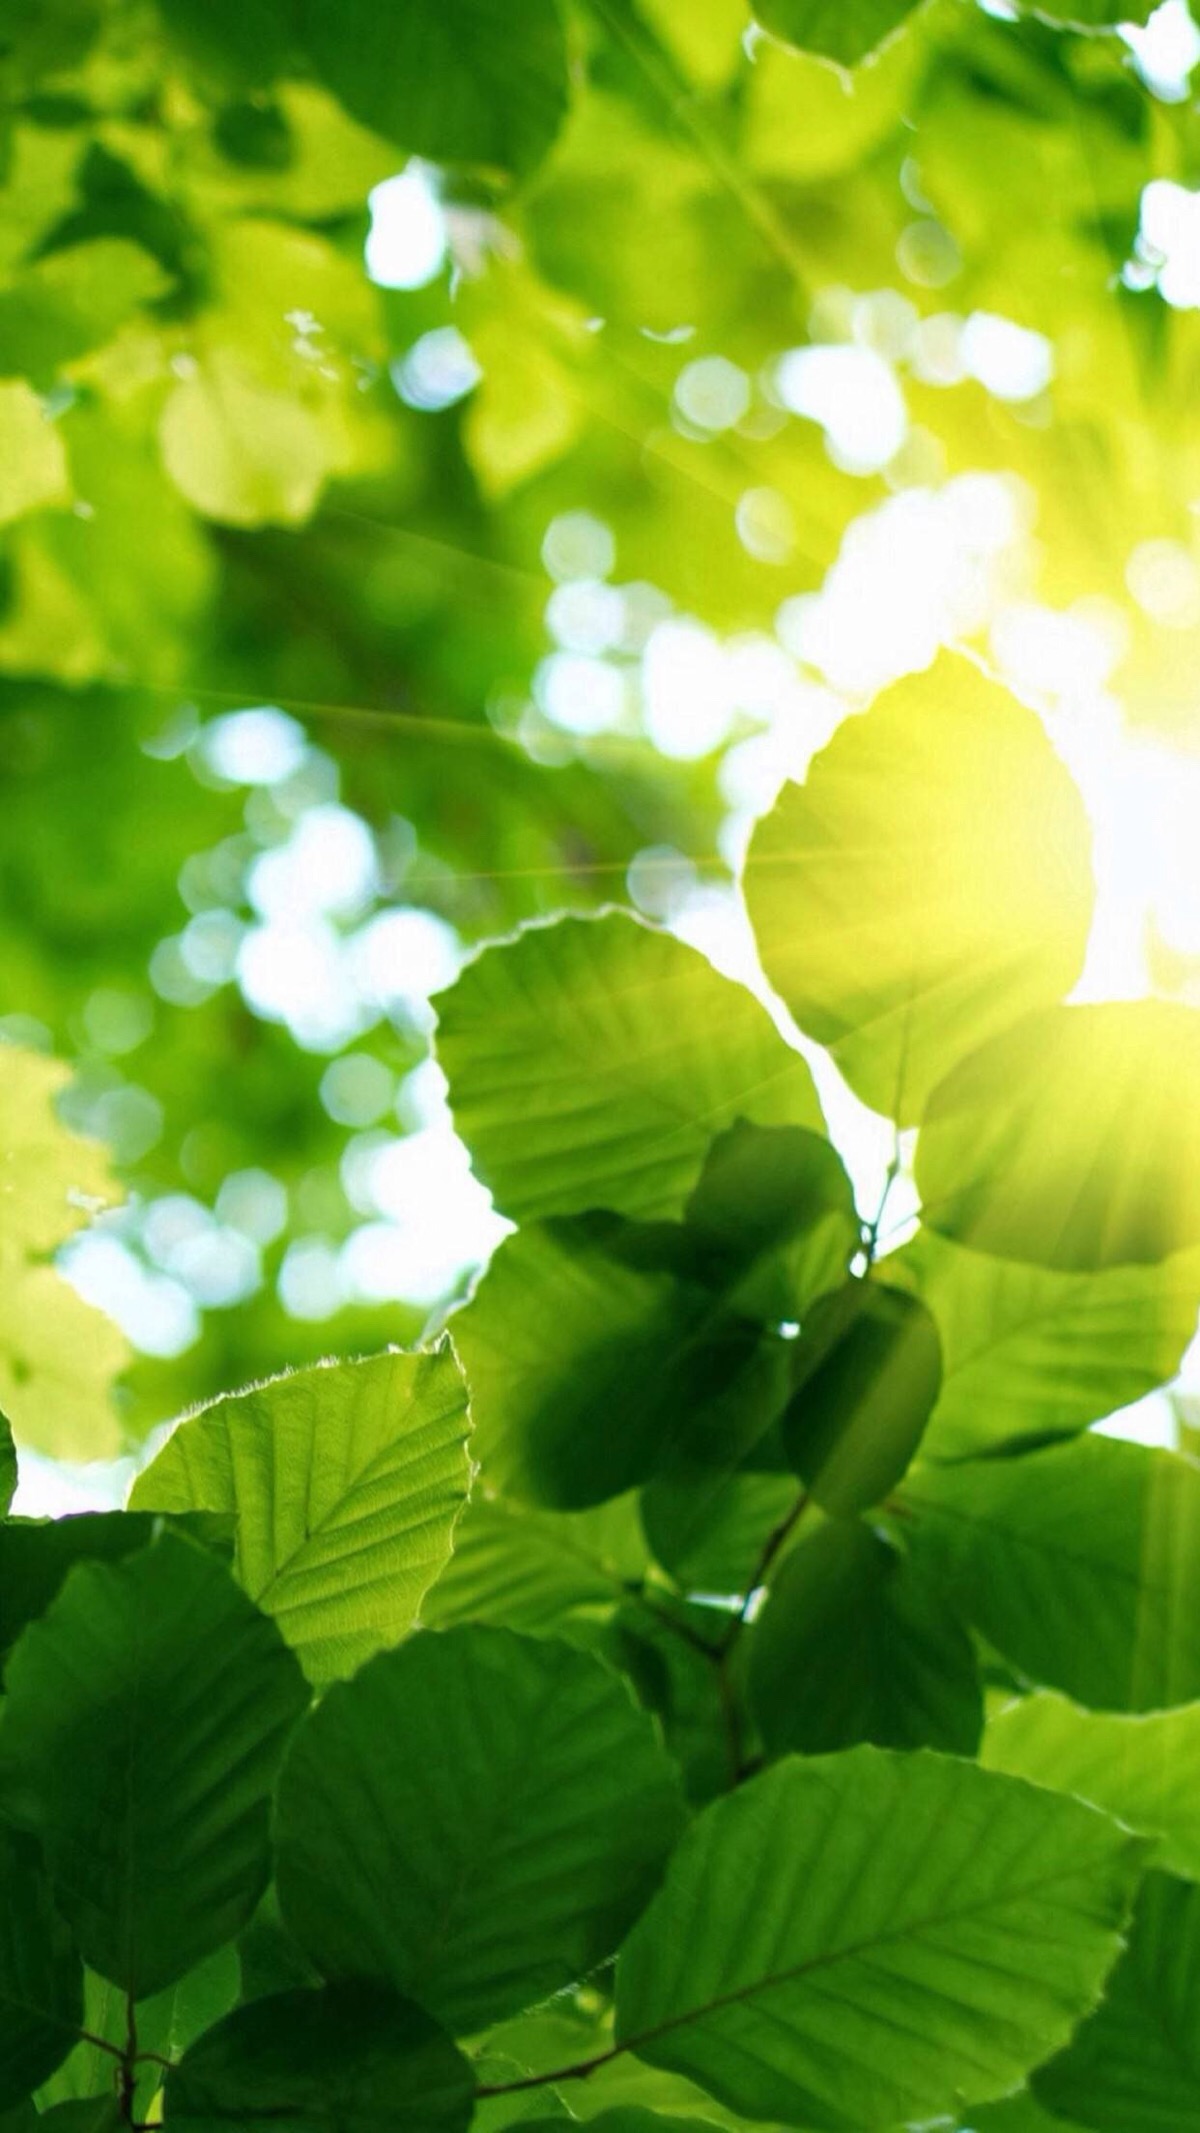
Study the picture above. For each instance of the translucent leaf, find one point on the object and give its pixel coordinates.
(804, 1917)
(1072, 1140)
(58, 1357)
(546, 1573)
(349, 2057)
(1081, 1564)
(1140, 1769)
(144, 1720)
(592, 1062)
(33, 466)
(345, 1479)
(478, 1816)
(1031, 1353)
(928, 884)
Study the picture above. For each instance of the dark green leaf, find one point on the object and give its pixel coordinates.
(1072, 1140)
(41, 1977)
(37, 1553)
(477, 1817)
(852, 1645)
(349, 2059)
(846, 31)
(145, 1717)
(805, 1916)
(773, 1213)
(592, 1062)
(867, 1372)
(589, 1375)
(459, 81)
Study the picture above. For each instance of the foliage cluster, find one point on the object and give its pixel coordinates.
(719, 1676)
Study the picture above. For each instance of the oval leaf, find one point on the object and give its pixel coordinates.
(477, 1816)
(869, 1367)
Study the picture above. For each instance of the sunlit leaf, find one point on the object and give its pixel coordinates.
(1030, 1353)
(803, 1917)
(31, 453)
(928, 884)
(591, 1063)
(345, 1482)
(1137, 1768)
(1079, 1563)
(1072, 1140)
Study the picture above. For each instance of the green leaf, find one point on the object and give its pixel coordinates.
(592, 1062)
(867, 1372)
(846, 31)
(627, 2118)
(929, 882)
(37, 1553)
(1072, 1140)
(477, 1817)
(546, 1573)
(1028, 1353)
(145, 1716)
(1140, 1769)
(1134, 2066)
(670, 1651)
(234, 43)
(31, 454)
(346, 1480)
(58, 1356)
(166, 2024)
(805, 1918)
(853, 1646)
(71, 301)
(349, 2059)
(41, 1977)
(459, 81)
(1081, 1564)
(773, 1219)
(589, 1375)
(1091, 14)
(85, 2114)
(710, 1533)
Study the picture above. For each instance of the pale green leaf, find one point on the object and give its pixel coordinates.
(346, 1480)
(928, 883)
(543, 1572)
(591, 1063)
(1072, 1140)
(33, 465)
(144, 1720)
(1081, 1564)
(477, 1816)
(1141, 1769)
(861, 1939)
